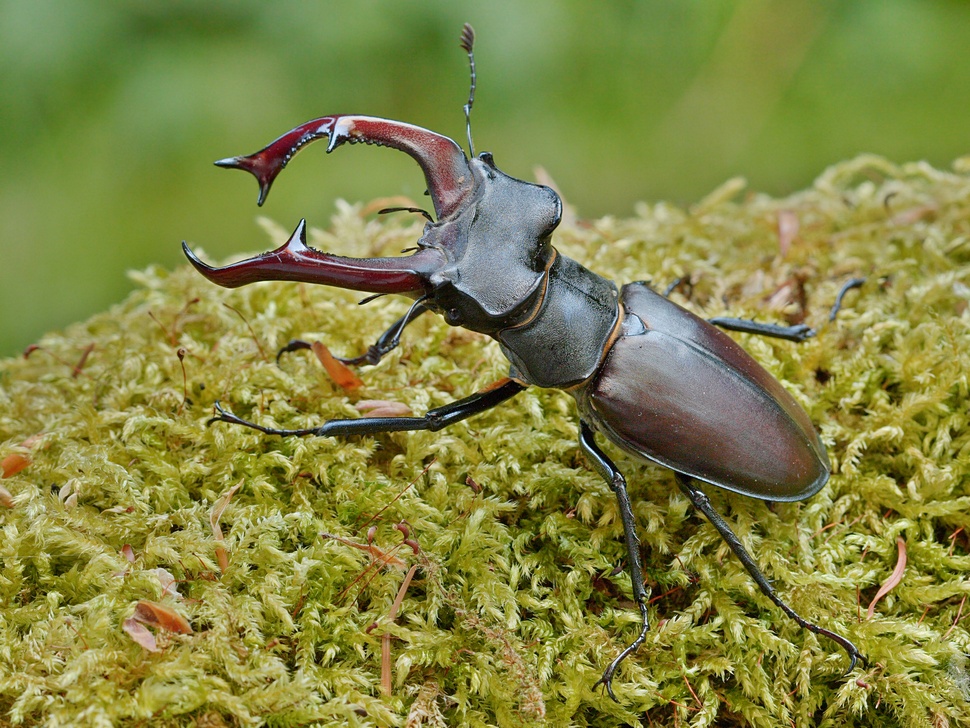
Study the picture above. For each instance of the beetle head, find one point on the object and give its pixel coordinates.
(497, 249)
(482, 265)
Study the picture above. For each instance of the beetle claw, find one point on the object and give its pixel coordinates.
(855, 657)
(607, 682)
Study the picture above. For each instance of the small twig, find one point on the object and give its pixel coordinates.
(958, 617)
(953, 540)
(398, 496)
(666, 593)
(172, 334)
(850, 524)
(75, 368)
(696, 699)
(185, 381)
(81, 362)
(386, 637)
(251, 331)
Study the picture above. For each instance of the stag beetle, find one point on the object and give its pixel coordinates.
(661, 383)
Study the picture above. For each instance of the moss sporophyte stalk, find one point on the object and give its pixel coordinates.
(123, 508)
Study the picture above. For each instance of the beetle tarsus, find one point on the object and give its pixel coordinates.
(702, 503)
(385, 344)
(606, 679)
(675, 284)
(848, 286)
(617, 483)
(224, 415)
(390, 339)
(293, 345)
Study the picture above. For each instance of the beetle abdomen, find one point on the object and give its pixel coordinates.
(675, 390)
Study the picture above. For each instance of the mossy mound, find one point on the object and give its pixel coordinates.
(517, 605)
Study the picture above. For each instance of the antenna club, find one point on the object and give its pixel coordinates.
(467, 38)
(468, 43)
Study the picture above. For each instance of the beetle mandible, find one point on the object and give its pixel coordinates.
(658, 381)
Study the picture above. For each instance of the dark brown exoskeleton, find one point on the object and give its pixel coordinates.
(655, 379)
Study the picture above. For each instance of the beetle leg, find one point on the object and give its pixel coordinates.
(797, 333)
(387, 342)
(390, 339)
(702, 503)
(434, 420)
(614, 478)
(847, 286)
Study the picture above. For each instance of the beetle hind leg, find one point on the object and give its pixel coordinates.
(433, 420)
(614, 478)
(702, 503)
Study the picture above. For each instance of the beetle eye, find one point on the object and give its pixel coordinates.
(553, 212)
(558, 216)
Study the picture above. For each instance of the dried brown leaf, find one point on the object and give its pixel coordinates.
(383, 408)
(893, 581)
(339, 372)
(217, 510)
(139, 634)
(788, 225)
(382, 557)
(158, 615)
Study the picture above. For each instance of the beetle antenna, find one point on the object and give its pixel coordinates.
(368, 299)
(468, 43)
(418, 210)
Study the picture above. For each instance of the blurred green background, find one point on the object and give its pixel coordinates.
(112, 112)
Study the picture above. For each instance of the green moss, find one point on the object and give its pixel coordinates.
(516, 609)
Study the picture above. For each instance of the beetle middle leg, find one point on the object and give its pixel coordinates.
(796, 332)
(433, 420)
(385, 344)
(702, 503)
(614, 478)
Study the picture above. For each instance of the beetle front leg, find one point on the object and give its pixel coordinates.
(702, 503)
(385, 344)
(614, 478)
(389, 340)
(433, 420)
